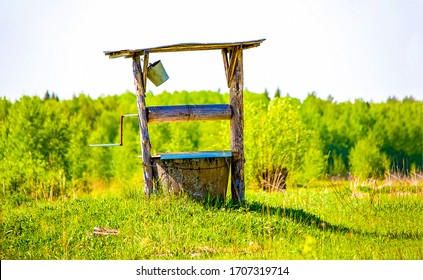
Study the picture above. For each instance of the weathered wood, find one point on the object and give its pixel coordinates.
(229, 64)
(187, 113)
(226, 64)
(233, 58)
(237, 129)
(142, 120)
(234, 75)
(144, 71)
(183, 47)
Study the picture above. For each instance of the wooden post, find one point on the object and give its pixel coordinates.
(140, 79)
(236, 91)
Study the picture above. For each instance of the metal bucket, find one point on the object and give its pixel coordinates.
(200, 175)
(156, 73)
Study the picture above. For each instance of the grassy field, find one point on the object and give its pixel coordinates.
(343, 220)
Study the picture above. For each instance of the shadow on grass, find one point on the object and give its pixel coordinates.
(296, 215)
(307, 219)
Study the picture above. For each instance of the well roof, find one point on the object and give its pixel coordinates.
(184, 47)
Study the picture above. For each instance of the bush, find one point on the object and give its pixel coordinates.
(366, 159)
(276, 143)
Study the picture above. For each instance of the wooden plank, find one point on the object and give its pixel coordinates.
(233, 58)
(226, 64)
(237, 131)
(144, 71)
(183, 47)
(187, 113)
(142, 120)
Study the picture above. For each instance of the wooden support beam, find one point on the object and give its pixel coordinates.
(236, 91)
(229, 63)
(144, 71)
(226, 64)
(187, 113)
(140, 86)
(233, 58)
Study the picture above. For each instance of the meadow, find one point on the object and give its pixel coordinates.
(352, 172)
(341, 220)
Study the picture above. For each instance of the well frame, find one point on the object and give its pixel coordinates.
(232, 54)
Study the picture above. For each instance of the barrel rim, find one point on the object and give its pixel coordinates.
(193, 155)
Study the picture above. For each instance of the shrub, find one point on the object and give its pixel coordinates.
(275, 142)
(366, 159)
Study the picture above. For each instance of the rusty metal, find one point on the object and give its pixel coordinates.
(120, 131)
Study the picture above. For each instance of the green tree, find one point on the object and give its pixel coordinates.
(275, 143)
(367, 160)
(277, 93)
(35, 139)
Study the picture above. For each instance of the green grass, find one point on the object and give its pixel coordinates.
(326, 222)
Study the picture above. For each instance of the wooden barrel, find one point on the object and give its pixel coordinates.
(199, 174)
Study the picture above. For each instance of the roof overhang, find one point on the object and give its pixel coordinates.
(184, 47)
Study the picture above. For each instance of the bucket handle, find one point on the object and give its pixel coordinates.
(121, 133)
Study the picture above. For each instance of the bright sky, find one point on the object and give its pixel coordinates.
(369, 49)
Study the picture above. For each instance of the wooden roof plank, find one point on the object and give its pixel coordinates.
(184, 47)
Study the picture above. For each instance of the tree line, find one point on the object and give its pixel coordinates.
(44, 147)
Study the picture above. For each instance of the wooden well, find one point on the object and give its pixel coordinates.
(199, 174)
(232, 54)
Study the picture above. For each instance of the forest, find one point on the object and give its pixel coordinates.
(45, 152)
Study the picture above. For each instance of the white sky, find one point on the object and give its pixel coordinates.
(369, 49)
